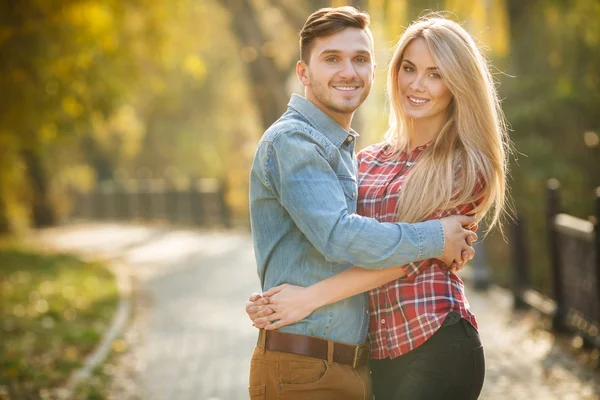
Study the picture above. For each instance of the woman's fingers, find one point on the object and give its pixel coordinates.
(274, 290)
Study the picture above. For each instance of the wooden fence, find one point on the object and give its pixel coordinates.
(574, 249)
(193, 202)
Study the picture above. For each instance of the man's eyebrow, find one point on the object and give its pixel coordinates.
(333, 51)
(413, 64)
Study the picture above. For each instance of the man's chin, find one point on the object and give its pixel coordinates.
(350, 105)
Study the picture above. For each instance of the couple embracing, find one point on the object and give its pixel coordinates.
(357, 254)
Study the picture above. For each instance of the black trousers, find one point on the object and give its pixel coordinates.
(450, 365)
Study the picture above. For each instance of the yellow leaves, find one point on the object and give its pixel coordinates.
(396, 20)
(119, 346)
(47, 133)
(195, 66)
(71, 353)
(97, 20)
(92, 16)
(485, 20)
(338, 3)
(564, 86)
(157, 85)
(72, 107)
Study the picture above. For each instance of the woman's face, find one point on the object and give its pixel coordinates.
(423, 94)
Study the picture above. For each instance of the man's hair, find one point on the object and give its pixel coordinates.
(327, 21)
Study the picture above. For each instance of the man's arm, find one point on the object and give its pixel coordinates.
(296, 168)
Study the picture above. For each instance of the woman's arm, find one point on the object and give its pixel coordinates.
(289, 303)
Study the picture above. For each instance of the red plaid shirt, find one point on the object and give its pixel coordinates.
(408, 311)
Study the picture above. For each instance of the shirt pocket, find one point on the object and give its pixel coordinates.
(350, 187)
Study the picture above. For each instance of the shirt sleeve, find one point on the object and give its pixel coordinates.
(296, 168)
(413, 269)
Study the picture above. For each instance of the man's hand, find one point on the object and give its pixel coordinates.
(287, 304)
(458, 240)
(255, 308)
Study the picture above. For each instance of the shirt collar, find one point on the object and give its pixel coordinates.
(321, 121)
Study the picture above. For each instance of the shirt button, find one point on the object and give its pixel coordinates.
(382, 321)
(350, 139)
(353, 194)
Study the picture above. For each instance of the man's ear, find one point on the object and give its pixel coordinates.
(302, 73)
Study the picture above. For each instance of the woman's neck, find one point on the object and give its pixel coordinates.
(422, 131)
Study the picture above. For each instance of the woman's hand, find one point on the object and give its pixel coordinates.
(287, 304)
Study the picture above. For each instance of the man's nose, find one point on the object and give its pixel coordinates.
(347, 70)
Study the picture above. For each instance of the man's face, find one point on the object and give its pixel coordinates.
(340, 71)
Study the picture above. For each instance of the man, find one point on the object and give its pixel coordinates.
(303, 191)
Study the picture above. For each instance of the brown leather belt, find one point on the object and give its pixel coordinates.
(310, 346)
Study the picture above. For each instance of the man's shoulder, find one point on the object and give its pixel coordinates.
(289, 129)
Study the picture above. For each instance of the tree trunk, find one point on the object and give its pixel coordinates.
(42, 211)
(268, 82)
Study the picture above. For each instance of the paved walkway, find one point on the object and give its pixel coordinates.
(190, 337)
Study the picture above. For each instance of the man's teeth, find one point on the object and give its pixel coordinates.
(345, 87)
(417, 100)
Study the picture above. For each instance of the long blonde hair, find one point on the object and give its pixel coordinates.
(471, 145)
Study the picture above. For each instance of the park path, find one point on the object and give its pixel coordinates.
(190, 337)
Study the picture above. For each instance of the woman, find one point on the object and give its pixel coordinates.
(444, 153)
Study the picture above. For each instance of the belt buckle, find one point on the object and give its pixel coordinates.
(355, 360)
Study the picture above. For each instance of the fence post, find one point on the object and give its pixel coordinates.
(597, 246)
(122, 204)
(196, 206)
(225, 215)
(520, 262)
(171, 198)
(553, 209)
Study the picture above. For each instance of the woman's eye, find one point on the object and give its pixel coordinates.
(435, 75)
(409, 69)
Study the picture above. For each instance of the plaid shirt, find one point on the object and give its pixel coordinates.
(408, 311)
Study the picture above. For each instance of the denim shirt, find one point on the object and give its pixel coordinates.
(303, 189)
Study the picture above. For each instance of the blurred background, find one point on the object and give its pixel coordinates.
(149, 111)
(147, 95)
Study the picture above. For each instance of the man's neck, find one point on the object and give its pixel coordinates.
(343, 119)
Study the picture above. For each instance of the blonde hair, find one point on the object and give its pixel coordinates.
(472, 143)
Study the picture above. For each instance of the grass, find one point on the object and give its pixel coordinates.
(54, 309)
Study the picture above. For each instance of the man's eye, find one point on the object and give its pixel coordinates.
(331, 59)
(362, 60)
